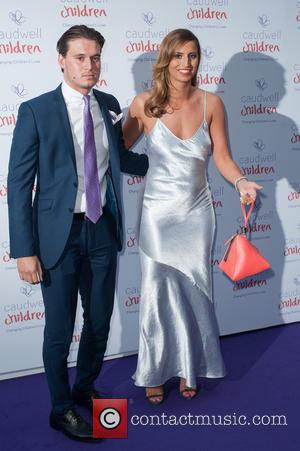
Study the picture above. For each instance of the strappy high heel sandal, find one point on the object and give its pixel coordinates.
(187, 392)
(156, 397)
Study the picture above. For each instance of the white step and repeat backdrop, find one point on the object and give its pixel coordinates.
(250, 58)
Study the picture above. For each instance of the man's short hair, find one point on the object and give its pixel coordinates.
(77, 32)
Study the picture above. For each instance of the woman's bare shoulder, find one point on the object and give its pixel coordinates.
(214, 100)
(214, 105)
(210, 96)
(139, 100)
(147, 94)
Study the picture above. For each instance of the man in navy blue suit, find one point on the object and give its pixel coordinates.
(70, 141)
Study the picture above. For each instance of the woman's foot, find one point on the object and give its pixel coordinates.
(155, 395)
(187, 392)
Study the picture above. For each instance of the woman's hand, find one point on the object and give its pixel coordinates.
(248, 191)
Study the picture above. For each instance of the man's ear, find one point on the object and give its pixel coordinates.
(61, 62)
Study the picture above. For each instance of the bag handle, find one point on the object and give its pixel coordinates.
(247, 216)
(246, 220)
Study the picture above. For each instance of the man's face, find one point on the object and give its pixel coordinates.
(81, 64)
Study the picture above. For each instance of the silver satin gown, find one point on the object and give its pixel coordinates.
(178, 328)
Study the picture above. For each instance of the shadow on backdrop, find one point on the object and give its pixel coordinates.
(260, 140)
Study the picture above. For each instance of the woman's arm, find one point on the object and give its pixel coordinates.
(133, 125)
(222, 158)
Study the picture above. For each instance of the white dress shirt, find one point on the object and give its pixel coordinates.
(75, 103)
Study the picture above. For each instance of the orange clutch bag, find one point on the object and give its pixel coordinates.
(242, 259)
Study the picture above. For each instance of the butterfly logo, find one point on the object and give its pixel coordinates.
(17, 17)
(27, 290)
(208, 53)
(19, 90)
(147, 84)
(149, 18)
(297, 281)
(263, 20)
(261, 84)
(259, 145)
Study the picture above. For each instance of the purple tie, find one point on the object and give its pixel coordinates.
(91, 180)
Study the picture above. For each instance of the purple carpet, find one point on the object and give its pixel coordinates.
(262, 384)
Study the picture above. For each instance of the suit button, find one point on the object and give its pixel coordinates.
(75, 184)
(71, 210)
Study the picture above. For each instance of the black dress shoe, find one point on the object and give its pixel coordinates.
(72, 425)
(85, 399)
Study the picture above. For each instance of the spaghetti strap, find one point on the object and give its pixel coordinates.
(204, 108)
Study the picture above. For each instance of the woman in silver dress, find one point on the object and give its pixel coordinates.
(183, 126)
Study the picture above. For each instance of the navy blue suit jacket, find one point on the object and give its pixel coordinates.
(42, 147)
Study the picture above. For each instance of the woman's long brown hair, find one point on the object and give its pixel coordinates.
(155, 106)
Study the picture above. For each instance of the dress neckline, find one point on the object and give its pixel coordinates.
(173, 134)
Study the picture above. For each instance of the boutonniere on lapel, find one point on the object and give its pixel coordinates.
(115, 117)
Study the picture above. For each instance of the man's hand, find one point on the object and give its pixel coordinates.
(30, 269)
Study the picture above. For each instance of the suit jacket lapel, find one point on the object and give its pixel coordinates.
(113, 150)
(112, 144)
